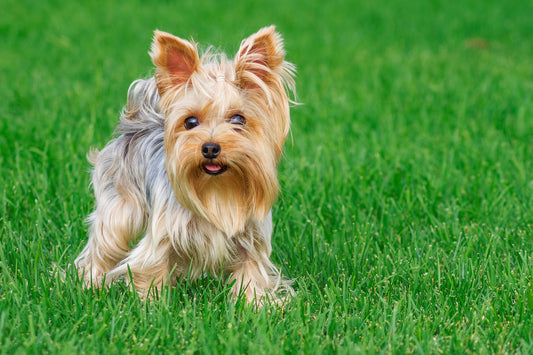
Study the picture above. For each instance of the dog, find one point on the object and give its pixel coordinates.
(187, 185)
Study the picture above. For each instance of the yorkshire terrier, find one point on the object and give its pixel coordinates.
(186, 187)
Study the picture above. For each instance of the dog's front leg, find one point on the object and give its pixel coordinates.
(254, 274)
(147, 266)
(260, 280)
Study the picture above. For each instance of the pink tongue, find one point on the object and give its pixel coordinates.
(213, 167)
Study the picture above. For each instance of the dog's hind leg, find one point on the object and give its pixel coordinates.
(112, 228)
(119, 218)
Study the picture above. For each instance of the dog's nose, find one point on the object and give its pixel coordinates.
(210, 150)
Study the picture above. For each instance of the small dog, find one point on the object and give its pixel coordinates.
(193, 171)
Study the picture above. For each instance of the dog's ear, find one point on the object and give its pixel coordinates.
(260, 57)
(176, 60)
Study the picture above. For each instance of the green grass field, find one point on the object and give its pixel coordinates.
(406, 212)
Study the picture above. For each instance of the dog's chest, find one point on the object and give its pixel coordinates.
(203, 247)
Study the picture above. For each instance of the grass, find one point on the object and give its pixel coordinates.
(406, 216)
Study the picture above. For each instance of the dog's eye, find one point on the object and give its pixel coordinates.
(191, 122)
(237, 119)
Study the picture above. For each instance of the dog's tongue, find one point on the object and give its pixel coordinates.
(213, 168)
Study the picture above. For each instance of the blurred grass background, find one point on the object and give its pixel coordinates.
(405, 215)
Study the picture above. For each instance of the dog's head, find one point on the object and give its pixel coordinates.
(226, 123)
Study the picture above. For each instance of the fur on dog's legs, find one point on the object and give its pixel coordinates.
(149, 265)
(112, 226)
(254, 274)
(259, 281)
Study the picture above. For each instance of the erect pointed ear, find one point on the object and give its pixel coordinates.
(176, 60)
(259, 58)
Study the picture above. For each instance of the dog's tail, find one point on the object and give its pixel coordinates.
(92, 155)
(143, 100)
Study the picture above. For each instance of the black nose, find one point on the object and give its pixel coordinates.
(211, 150)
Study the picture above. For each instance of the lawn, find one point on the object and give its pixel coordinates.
(406, 211)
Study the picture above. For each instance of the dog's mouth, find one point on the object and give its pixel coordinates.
(214, 169)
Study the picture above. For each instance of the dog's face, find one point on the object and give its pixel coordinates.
(226, 123)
